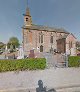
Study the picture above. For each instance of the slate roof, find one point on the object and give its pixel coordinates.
(45, 28)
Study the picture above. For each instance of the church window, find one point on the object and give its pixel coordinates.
(70, 44)
(26, 40)
(51, 39)
(26, 19)
(42, 38)
(41, 48)
(39, 38)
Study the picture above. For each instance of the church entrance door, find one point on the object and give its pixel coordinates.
(41, 48)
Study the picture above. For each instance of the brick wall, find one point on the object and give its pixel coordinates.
(31, 40)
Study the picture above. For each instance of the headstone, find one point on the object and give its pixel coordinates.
(20, 53)
(6, 48)
(6, 51)
(31, 55)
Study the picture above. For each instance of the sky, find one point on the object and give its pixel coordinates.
(55, 13)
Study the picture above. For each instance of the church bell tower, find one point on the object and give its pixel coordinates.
(27, 17)
(27, 34)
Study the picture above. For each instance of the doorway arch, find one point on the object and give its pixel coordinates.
(41, 48)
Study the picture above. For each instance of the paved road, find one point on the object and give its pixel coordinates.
(52, 78)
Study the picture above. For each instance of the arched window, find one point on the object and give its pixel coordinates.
(26, 40)
(41, 37)
(26, 19)
(51, 39)
(70, 44)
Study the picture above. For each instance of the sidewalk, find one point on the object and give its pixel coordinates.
(58, 78)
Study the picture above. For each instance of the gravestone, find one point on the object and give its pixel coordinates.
(20, 53)
(6, 51)
(31, 55)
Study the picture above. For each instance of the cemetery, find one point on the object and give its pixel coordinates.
(18, 61)
(46, 55)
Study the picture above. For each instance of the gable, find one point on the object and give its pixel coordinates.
(70, 37)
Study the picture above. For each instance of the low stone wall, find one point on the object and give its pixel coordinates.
(2, 56)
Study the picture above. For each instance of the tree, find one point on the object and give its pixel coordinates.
(13, 43)
(1, 45)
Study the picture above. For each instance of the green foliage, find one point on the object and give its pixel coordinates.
(1, 45)
(22, 64)
(13, 43)
(74, 61)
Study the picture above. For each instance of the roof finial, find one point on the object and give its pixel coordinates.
(27, 10)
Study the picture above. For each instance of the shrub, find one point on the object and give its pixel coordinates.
(74, 61)
(22, 64)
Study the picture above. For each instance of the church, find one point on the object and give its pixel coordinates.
(46, 39)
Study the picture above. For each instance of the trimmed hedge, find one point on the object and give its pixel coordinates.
(74, 61)
(22, 64)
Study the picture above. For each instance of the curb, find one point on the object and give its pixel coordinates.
(58, 89)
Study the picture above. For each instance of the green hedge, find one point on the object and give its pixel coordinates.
(22, 64)
(74, 61)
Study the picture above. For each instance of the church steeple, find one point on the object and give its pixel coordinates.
(27, 17)
(27, 11)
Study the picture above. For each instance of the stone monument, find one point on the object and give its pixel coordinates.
(20, 53)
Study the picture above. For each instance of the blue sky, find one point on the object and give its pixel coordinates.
(56, 13)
